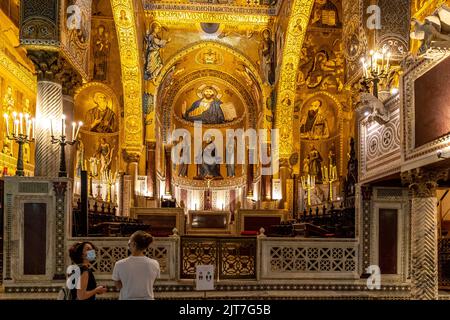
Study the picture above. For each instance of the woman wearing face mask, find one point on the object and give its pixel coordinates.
(82, 254)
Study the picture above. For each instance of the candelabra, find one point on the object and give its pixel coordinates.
(110, 179)
(329, 175)
(376, 70)
(93, 173)
(63, 141)
(23, 132)
(308, 184)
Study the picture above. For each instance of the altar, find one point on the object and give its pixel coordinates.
(207, 222)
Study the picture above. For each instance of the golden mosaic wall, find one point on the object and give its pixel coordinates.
(17, 93)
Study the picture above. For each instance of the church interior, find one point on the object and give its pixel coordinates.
(300, 147)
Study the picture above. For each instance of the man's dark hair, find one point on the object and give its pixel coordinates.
(76, 251)
(142, 240)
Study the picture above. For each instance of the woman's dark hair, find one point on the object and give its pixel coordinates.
(142, 239)
(76, 251)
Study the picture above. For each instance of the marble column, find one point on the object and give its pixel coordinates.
(56, 78)
(366, 192)
(424, 232)
(132, 160)
(250, 172)
(68, 110)
(285, 175)
(266, 186)
(151, 168)
(49, 106)
(168, 169)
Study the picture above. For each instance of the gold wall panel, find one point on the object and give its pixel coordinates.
(175, 17)
(16, 71)
(300, 13)
(423, 8)
(75, 43)
(124, 18)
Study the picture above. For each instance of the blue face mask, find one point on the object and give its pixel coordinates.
(90, 255)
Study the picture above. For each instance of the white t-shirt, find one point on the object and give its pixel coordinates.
(137, 274)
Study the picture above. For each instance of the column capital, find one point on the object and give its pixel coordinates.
(60, 188)
(52, 66)
(151, 144)
(284, 162)
(131, 156)
(423, 182)
(366, 192)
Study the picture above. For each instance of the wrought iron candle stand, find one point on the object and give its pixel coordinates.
(22, 133)
(63, 141)
(376, 70)
(308, 184)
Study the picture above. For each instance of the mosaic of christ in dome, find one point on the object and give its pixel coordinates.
(210, 108)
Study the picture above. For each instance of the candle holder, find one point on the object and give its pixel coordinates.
(99, 192)
(110, 179)
(63, 141)
(377, 69)
(23, 132)
(93, 173)
(329, 175)
(308, 184)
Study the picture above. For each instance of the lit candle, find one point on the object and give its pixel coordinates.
(80, 124)
(16, 127)
(363, 61)
(63, 122)
(33, 123)
(27, 124)
(21, 122)
(371, 59)
(7, 124)
(51, 127)
(73, 130)
(14, 122)
(388, 59)
(377, 65)
(222, 206)
(383, 56)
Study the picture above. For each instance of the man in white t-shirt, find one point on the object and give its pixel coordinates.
(134, 276)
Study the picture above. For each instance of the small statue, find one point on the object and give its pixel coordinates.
(378, 111)
(434, 32)
(104, 152)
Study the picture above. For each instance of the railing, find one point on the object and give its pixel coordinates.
(239, 258)
(110, 250)
(233, 258)
(307, 258)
